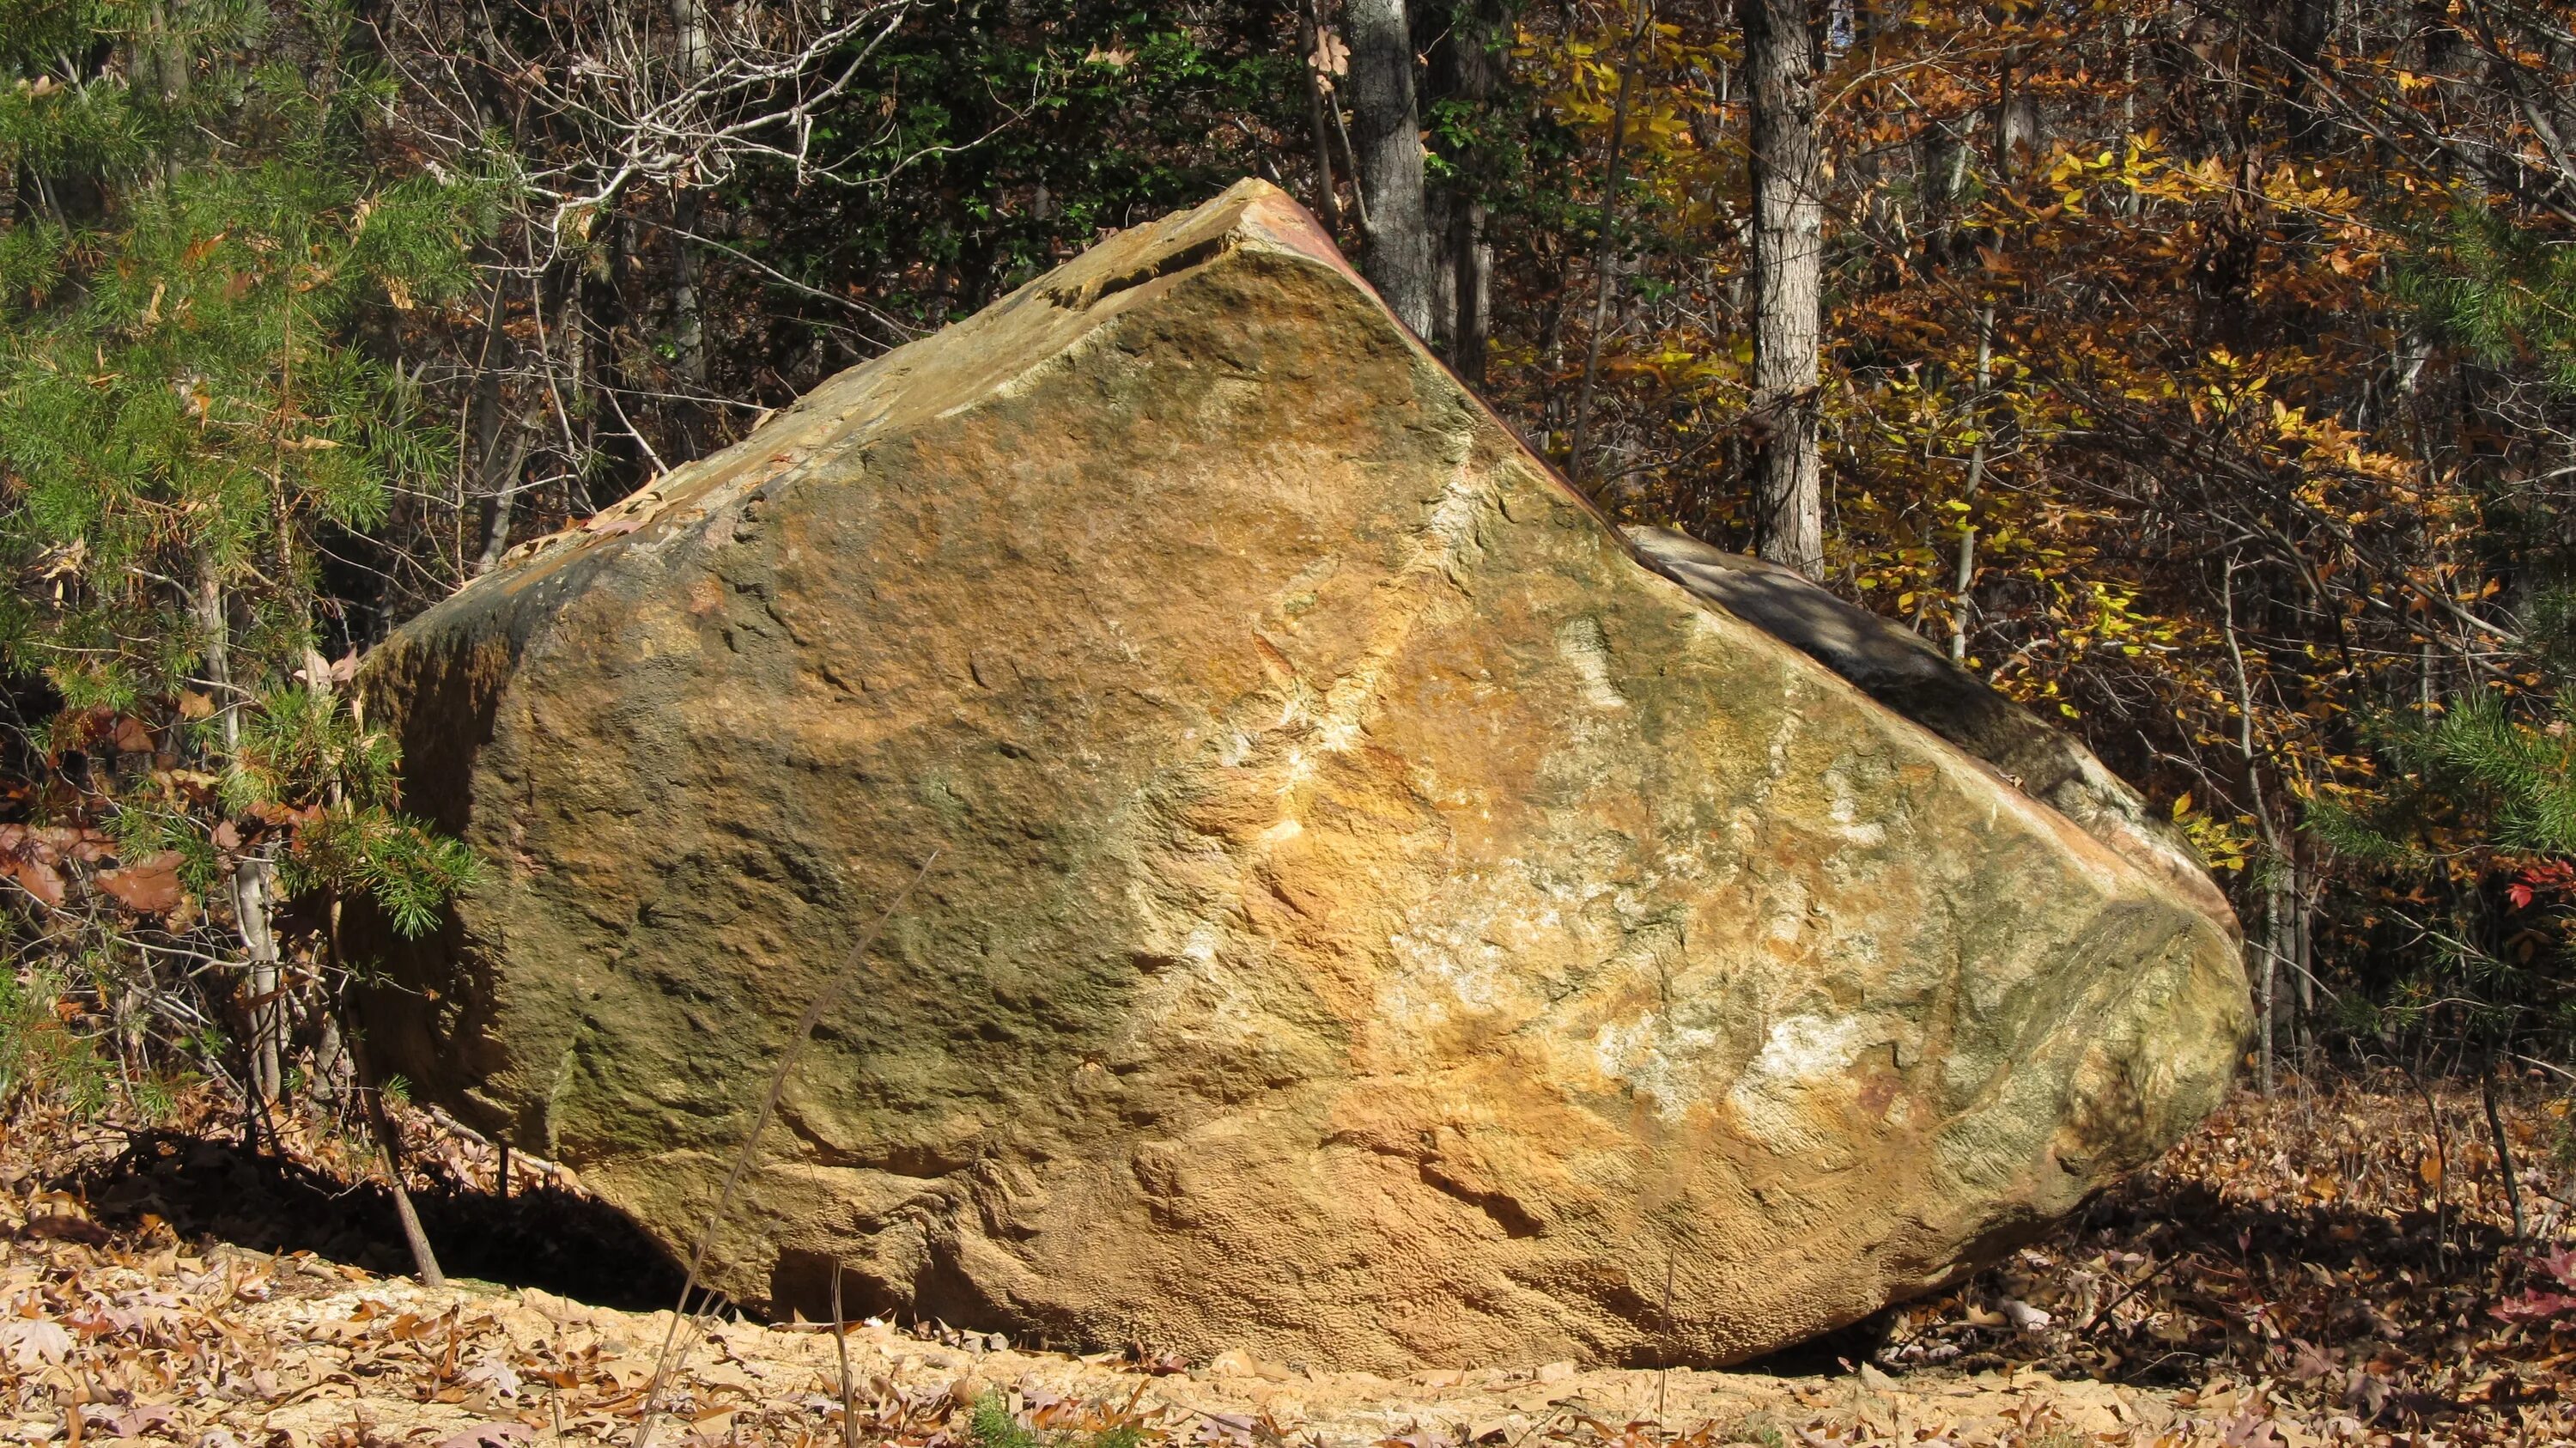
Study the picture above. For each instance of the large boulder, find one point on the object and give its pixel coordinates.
(1382, 922)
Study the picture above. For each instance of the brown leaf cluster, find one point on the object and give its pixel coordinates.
(2343, 1251)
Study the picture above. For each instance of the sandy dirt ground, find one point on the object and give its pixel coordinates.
(235, 1347)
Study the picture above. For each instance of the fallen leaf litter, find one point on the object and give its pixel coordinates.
(2293, 1274)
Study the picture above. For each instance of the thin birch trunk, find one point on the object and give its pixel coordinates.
(501, 443)
(255, 903)
(2267, 971)
(480, 422)
(253, 885)
(1964, 583)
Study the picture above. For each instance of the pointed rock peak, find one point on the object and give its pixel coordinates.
(1250, 213)
(964, 363)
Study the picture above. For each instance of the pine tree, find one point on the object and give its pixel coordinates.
(200, 274)
(2504, 293)
(2472, 827)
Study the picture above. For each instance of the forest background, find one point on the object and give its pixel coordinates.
(2200, 372)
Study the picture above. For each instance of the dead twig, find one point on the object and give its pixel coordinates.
(2103, 1313)
(841, 1346)
(2504, 1150)
(389, 1140)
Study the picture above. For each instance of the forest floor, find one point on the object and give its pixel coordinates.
(2335, 1264)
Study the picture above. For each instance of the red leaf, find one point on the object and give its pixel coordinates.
(2535, 1307)
(147, 886)
(38, 878)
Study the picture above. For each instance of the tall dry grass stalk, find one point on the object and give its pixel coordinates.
(675, 1347)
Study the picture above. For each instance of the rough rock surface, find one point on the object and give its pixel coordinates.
(1903, 670)
(1382, 923)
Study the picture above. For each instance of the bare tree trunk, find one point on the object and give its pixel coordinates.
(688, 326)
(2503, 1147)
(1465, 68)
(1605, 256)
(255, 904)
(331, 1069)
(2276, 945)
(1398, 261)
(1351, 154)
(2311, 28)
(169, 73)
(1551, 351)
(1327, 209)
(2304, 960)
(501, 444)
(253, 885)
(1946, 151)
(688, 330)
(579, 419)
(1788, 281)
(389, 1137)
(1441, 208)
(501, 480)
(483, 418)
(1471, 262)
